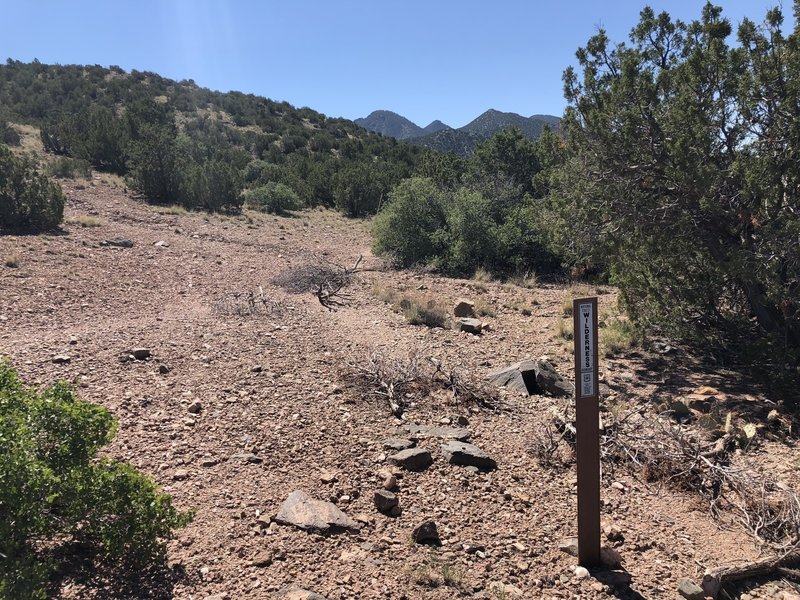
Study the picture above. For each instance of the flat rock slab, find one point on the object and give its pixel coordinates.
(397, 444)
(413, 459)
(532, 377)
(298, 594)
(470, 325)
(302, 511)
(438, 431)
(467, 455)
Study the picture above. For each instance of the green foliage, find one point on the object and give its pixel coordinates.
(30, 201)
(55, 491)
(214, 186)
(408, 226)
(679, 175)
(273, 197)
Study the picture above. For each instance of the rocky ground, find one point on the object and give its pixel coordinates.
(233, 412)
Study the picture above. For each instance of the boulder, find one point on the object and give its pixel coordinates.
(470, 325)
(140, 353)
(426, 533)
(532, 377)
(302, 511)
(386, 502)
(690, 590)
(467, 455)
(464, 308)
(413, 459)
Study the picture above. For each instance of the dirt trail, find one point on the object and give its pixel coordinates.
(274, 385)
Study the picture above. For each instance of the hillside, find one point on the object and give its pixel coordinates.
(126, 122)
(442, 138)
(242, 403)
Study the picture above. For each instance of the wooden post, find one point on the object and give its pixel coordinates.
(587, 423)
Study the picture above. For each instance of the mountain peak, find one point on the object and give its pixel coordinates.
(390, 124)
(463, 140)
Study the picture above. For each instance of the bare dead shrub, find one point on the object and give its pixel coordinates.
(401, 381)
(325, 279)
(687, 458)
(248, 304)
(657, 449)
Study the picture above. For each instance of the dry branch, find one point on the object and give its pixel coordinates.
(715, 579)
(325, 279)
(401, 380)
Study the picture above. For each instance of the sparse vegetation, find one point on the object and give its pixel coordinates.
(84, 221)
(59, 499)
(401, 380)
(617, 335)
(69, 168)
(417, 309)
(12, 260)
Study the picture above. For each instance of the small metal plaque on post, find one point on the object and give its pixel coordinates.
(587, 423)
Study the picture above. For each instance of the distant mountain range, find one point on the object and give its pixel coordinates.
(463, 140)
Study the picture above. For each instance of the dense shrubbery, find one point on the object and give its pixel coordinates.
(273, 197)
(469, 214)
(680, 179)
(56, 494)
(29, 201)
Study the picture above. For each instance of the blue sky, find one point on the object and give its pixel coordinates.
(448, 60)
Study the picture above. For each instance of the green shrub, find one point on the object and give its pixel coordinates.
(56, 495)
(409, 225)
(273, 197)
(214, 186)
(69, 168)
(29, 200)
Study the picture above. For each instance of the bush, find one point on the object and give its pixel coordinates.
(214, 186)
(57, 496)
(30, 201)
(69, 168)
(273, 197)
(408, 226)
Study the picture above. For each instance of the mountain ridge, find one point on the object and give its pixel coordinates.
(461, 140)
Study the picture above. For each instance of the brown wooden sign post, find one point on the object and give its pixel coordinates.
(587, 424)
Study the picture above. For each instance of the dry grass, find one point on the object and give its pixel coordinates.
(618, 335)
(173, 209)
(417, 309)
(525, 280)
(12, 260)
(484, 309)
(84, 221)
(30, 140)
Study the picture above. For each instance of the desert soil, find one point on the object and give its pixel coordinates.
(276, 385)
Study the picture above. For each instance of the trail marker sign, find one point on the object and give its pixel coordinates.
(587, 423)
